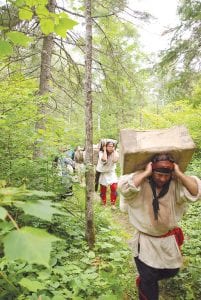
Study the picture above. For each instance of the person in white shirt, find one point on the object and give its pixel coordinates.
(106, 168)
(156, 200)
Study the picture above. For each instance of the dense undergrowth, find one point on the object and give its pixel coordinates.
(104, 273)
(75, 272)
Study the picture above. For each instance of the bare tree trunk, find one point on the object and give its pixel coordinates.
(99, 114)
(89, 232)
(45, 74)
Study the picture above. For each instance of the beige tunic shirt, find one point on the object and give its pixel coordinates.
(155, 252)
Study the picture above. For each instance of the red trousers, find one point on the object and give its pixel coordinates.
(113, 193)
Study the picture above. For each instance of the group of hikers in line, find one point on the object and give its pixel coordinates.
(155, 199)
(64, 164)
(70, 163)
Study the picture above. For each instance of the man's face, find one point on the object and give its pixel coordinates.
(161, 179)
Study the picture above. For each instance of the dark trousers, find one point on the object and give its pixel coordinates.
(149, 277)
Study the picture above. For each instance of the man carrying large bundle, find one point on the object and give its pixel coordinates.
(156, 199)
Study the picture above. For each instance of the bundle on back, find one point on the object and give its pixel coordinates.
(138, 147)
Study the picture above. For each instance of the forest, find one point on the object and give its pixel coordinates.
(74, 72)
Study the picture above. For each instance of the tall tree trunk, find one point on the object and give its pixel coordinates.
(45, 74)
(89, 232)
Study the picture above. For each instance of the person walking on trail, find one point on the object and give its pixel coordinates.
(106, 169)
(156, 200)
(65, 170)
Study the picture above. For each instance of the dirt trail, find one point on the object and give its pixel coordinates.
(121, 219)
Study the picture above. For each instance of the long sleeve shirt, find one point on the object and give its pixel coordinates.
(107, 169)
(148, 246)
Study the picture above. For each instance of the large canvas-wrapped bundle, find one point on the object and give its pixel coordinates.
(80, 151)
(138, 147)
(99, 147)
(80, 154)
(96, 149)
(103, 142)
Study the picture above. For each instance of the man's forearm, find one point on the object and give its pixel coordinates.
(189, 182)
(139, 178)
(104, 157)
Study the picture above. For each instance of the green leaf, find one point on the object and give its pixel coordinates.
(6, 227)
(58, 298)
(91, 254)
(21, 192)
(3, 213)
(41, 209)
(60, 30)
(116, 256)
(36, 2)
(68, 23)
(91, 276)
(5, 48)
(43, 275)
(19, 3)
(42, 11)
(106, 245)
(19, 38)
(37, 193)
(25, 13)
(31, 285)
(47, 26)
(29, 244)
(108, 297)
(63, 23)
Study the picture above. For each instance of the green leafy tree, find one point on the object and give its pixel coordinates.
(180, 63)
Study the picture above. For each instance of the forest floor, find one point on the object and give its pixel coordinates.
(120, 218)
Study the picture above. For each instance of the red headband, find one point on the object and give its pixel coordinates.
(163, 164)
